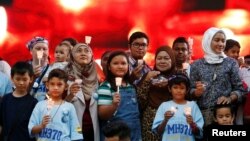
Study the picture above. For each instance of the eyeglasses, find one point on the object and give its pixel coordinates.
(137, 45)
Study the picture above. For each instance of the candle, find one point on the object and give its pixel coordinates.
(118, 82)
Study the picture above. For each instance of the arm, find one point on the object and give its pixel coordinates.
(38, 128)
(107, 111)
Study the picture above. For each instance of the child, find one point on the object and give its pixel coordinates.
(178, 119)
(116, 131)
(16, 107)
(122, 105)
(54, 118)
(223, 114)
(62, 53)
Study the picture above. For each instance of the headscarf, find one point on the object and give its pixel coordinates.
(210, 56)
(87, 73)
(36, 40)
(171, 54)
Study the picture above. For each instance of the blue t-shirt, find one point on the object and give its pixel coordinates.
(177, 128)
(64, 124)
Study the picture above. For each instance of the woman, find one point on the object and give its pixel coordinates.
(39, 49)
(82, 66)
(151, 92)
(220, 73)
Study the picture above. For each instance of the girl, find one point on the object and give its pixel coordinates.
(54, 118)
(151, 95)
(113, 106)
(178, 119)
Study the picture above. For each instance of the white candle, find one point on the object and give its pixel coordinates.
(118, 82)
(50, 104)
(39, 56)
(88, 39)
(140, 62)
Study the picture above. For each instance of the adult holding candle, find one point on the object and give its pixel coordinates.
(221, 73)
(83, 78)
(39, 49)
(153, 90)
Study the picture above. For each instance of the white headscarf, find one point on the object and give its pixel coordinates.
(210, 56)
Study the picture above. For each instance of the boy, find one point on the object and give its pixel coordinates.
(116, 131)
(17, 107)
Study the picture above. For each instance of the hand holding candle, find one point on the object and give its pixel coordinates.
(187, 110)
(39, 56)
(140, 62)
(173, 110)
(118, 82)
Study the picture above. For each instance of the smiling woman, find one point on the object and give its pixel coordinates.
(3, 24)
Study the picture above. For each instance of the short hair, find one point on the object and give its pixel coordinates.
(58, 73)
(21, 68)
(230, 43)
(137, 35)
(181, 40)
(117, 128)
(71, 40)
(177, 79)
(247, 57)
(219, 106)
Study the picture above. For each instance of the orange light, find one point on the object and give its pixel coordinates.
(74, 5)
(3, 24)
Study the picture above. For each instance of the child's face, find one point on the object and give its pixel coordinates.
(163, 61)
(61, 53)
(233, 52)
(56, 87)
(224, 116)
(178, 91)
(22, 81)
(119, 66)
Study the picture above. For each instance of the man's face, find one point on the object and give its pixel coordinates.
(181, 52)
(138, 48)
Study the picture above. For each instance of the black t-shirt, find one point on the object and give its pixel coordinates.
(15, 113)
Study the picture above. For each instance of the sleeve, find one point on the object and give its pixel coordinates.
(198, 119)
(159, 117)
(35, 118)
(194, 76)
(75, 129)
(142, 93)
(105, 96)
(8, 88)
(237, 85)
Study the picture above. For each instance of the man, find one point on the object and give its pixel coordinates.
(181, 49)
(138, 45)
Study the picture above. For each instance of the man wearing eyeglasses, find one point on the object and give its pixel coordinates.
(138, 45)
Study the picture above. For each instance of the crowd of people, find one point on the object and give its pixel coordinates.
(73, 98)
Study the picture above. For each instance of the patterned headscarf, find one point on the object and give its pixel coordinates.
(210, 56)
(36, 40)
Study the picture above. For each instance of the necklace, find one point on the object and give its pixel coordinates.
(56, 111)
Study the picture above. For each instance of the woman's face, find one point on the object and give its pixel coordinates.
(82, 55)
(163, 61)
(218, 43)
(119, 66)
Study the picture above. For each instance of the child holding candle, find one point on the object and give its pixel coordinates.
(54, 118)
(178, 119)
(122, 105)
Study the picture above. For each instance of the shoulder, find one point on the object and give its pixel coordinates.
(196, 62)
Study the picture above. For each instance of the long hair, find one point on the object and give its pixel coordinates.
(110, 76)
